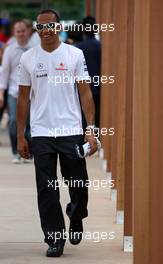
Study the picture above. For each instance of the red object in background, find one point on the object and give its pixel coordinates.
(3, 38)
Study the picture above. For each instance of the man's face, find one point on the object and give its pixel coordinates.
(21, 32)
(47, 36)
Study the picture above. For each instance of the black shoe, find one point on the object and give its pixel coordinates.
(56, 249)
(75, 232)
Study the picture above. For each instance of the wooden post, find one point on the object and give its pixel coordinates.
(98, 11)
(148, 132)
(141, 150)
(128, 187)
(156, 132)
(88, 8)
(119, 102)
(106, 88)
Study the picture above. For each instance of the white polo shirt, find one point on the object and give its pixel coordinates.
(10, 63)
(55, 106)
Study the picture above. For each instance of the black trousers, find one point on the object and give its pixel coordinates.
(46, 150)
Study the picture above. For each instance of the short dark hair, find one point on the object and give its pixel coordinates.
(46, 11)
(89, 20)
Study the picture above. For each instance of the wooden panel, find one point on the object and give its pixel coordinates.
(114, 102)
(98, 11)
(88, 8)
(128, 133)
(141, 132)
(105, 114)
(148, 133)
(156, 133)
(120, 98)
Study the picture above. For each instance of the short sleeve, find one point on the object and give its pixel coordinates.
(24, 77)
(81, 71)
(5, 70)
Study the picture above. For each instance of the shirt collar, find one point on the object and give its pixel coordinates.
(22, 47)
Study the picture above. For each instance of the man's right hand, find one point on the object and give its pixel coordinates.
(1, 99)
(23, 148)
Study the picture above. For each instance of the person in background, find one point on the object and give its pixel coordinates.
(8, 79)
(2, 109)
(91, 48)
(74, 36)
(5, 33)
(33, 35)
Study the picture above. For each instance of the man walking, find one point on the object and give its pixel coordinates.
(55, 107)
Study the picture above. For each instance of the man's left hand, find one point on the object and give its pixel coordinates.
(93, 143)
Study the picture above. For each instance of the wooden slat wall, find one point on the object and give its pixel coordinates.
(113, 98)
(116, 105)
(134, 107)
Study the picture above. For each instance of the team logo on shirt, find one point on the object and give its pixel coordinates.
(40, 66)
(61, 67)
(41, 75)
(41, 70)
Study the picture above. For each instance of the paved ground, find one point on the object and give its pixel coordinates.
(20, 234)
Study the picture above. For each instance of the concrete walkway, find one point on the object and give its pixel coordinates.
(20, 233)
